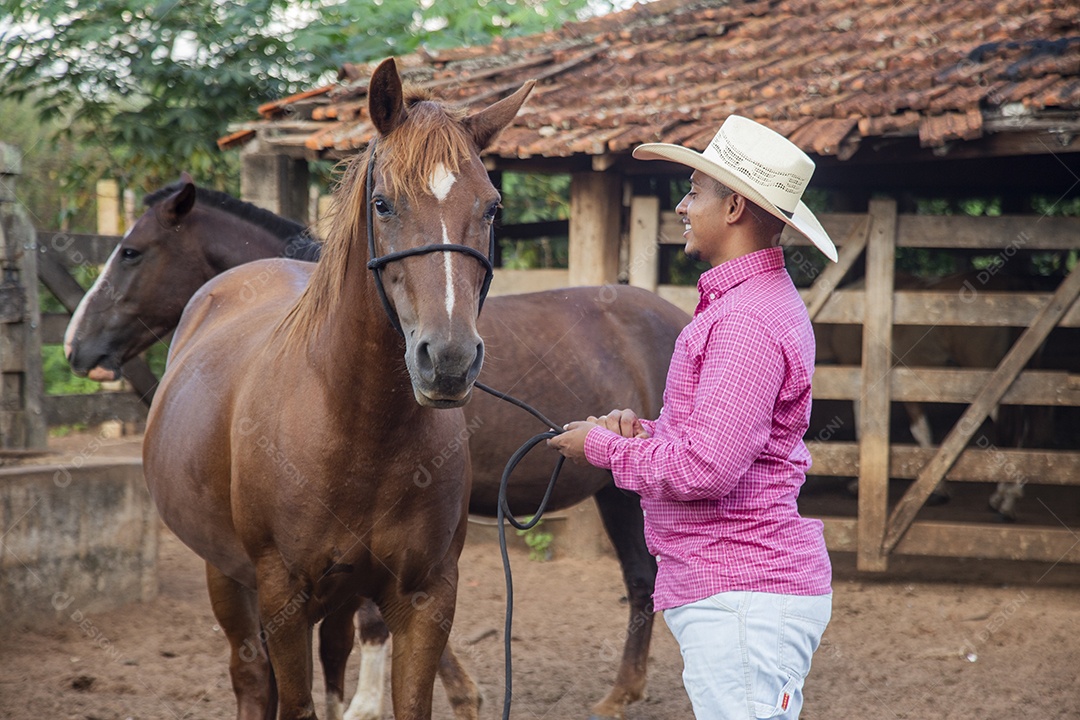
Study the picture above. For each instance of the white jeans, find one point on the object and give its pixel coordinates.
(746, 654)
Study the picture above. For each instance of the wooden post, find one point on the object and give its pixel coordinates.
(873, 421)
(277, 183)
(595, 204)
(644, 262)
(108, 207)
(130, 208)
(22, 385)
(323, 207)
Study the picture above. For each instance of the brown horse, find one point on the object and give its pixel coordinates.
(177, 243)
(283, 442)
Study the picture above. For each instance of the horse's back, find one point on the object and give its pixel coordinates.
(244, 300)
(614, 338)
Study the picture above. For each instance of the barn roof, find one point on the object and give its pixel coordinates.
(832, 75)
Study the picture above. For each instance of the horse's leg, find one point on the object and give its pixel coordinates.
(924, 436)
(283, 607)
(1004, 499)
(1019, 427)
(367, 701)
(335, 644)
(625, 526)
(236, 610)
(464, 696)
(420, 623)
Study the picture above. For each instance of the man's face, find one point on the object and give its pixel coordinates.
(703, 210)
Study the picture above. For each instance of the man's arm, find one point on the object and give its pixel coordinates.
(729, 427)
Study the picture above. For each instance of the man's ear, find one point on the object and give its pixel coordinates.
(736, 208)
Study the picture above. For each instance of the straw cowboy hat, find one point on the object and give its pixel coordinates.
(761, 165)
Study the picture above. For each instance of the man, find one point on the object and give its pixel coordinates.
(743, 580)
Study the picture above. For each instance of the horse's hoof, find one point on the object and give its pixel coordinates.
(937, 498)
(1003, 518)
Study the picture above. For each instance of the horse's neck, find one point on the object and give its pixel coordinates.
(229, 241)
(360, 355)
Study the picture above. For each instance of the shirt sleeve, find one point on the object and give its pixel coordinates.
(728, 428)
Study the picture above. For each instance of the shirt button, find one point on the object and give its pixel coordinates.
(657, 558)
(644, 513)
(712, 296)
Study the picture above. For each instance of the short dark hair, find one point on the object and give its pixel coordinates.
(720, 188)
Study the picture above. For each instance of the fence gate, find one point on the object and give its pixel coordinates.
(882, 528)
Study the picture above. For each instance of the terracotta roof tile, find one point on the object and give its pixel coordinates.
(936, 130)
(824, 72)
(1061, 94)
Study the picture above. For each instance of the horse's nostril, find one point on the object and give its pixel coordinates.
(477, 363)
(425, 360)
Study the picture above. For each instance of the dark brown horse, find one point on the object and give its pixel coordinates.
(555, 349)
(186, 237)
(283, 442)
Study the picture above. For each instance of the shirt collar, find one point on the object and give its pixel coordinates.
(716, 281)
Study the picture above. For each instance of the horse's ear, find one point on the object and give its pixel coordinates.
(490, 121)
(386, 104)
(179, 204)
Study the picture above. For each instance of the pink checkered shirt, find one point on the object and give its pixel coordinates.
(720, 475)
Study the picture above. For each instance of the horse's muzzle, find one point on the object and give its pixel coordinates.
(102, 368)
(443, 373)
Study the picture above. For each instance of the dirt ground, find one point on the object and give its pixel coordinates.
(928, 639)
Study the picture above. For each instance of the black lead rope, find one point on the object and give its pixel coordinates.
(503, 515)
(376, 264)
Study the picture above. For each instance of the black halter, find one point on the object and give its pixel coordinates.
(376, 263)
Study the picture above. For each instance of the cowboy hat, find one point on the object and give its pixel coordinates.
(758, 163)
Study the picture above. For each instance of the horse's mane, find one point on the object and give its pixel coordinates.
(432, 135)
(303, 246)
(271, 222)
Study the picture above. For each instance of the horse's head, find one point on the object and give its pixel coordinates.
(429, 192)
(125, 311)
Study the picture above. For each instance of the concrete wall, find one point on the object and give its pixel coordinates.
(74, 539)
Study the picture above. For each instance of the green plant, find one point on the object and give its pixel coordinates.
(539, 541)
(60, 431)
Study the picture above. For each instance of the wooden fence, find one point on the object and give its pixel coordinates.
(880, 530)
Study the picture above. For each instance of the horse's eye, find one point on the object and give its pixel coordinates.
(492, 210)
(130, 255)
(382, 207)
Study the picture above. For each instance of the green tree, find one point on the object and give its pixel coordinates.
(154, 84)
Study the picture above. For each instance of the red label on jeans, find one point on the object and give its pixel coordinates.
(783, 705)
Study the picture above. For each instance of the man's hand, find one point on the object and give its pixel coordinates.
(622, 422)
(571, 443)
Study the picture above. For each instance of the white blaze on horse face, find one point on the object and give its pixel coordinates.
(449, 275)
(440, 183)
(77, 316)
